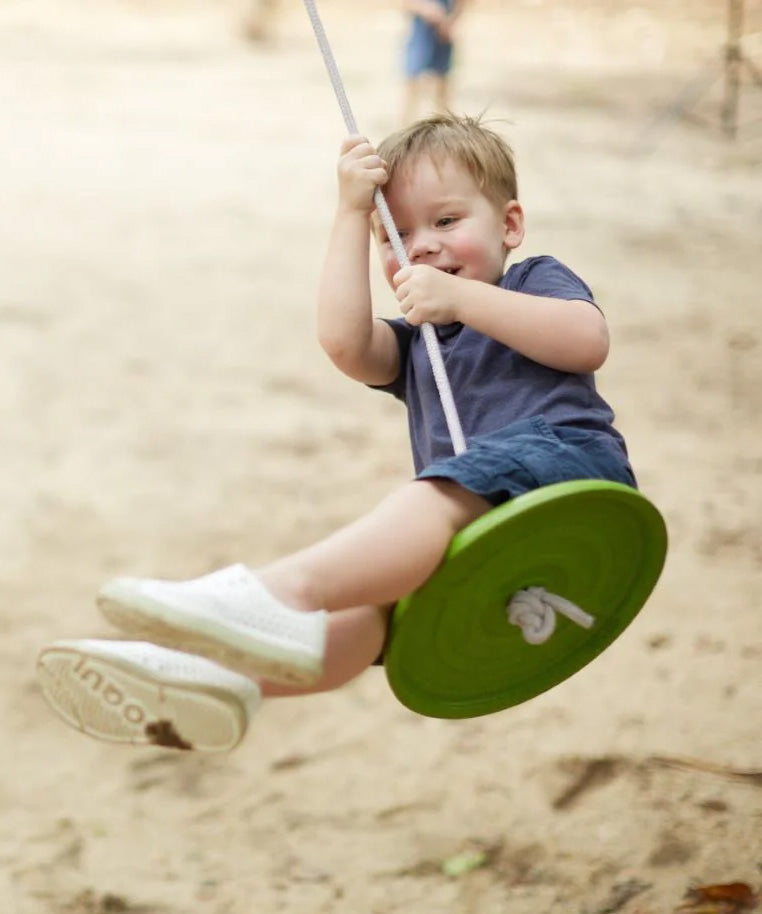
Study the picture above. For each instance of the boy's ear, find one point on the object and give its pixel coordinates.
(513, 224)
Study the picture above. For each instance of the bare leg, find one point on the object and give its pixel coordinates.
(259, 623)
(354, 639)
(356, 573)
(382, 556)
(373, 561)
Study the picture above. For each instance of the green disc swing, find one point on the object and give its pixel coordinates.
(530, 592)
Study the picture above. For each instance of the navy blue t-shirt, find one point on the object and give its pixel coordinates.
(492, 384)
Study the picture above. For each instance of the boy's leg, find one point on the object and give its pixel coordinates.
(141, 693)
(138, 692)
(384, 555)
(134, 692)
(253, 623)
(354, 639)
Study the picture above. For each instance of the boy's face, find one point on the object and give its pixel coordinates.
(446, 222)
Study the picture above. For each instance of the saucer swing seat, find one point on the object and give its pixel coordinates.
(527, 595)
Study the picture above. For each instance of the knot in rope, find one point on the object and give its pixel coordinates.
(534, 610)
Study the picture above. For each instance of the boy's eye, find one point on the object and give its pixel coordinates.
(446, 220)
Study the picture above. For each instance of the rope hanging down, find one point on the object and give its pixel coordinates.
(533, 609)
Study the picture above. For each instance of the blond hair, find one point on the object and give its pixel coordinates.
(463, 140)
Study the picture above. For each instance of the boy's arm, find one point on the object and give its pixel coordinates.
(360, 346)
(569, 335)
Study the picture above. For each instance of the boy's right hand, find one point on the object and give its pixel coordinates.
(361, 170)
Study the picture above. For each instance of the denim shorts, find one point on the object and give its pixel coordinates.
(531, 453)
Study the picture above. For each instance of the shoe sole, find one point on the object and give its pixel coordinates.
(113, 699)
(231, 646)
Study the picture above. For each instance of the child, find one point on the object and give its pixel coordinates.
(428, 52)
(520, 348)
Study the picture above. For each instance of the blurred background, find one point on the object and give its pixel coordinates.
(167, 178)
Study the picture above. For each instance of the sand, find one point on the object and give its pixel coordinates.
(167, 186)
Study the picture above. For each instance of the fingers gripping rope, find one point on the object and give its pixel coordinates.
(534, 611)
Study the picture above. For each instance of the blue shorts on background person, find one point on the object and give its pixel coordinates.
(426, 51)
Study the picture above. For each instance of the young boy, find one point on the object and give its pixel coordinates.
(520, 348)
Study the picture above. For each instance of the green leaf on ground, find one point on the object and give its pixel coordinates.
(463, 863)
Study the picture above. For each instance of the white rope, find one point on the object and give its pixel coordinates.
(429, 334)
(534, 611)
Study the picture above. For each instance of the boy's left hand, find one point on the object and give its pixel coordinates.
(426, 294)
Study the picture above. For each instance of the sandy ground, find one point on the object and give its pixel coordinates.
(165, 192)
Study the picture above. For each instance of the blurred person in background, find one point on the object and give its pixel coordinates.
(428, 54)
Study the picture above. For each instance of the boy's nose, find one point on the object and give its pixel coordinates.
(421, 244)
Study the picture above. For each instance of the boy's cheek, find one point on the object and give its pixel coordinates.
(390, 267)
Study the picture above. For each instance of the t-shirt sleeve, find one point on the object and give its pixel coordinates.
(548, 277)
(404, 334)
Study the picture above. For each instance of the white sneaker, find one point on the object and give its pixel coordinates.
(228, 616)
(133, 692)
